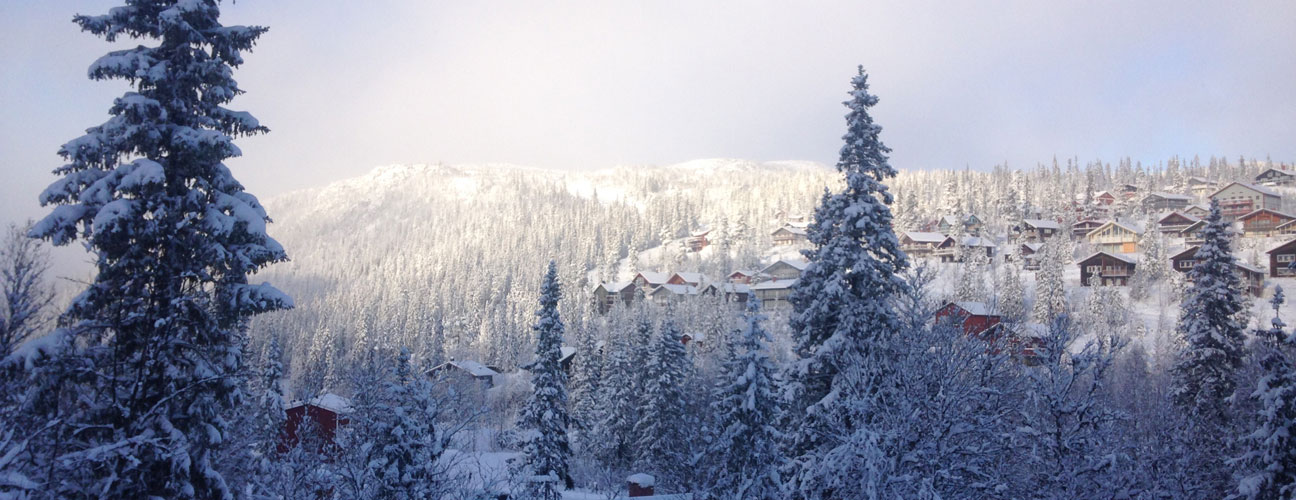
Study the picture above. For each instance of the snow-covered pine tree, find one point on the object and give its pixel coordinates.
(659, 441)
(1152, 267)
(614, 432)
(269, 417)
(410, 441)
(1050, 290)
(1012, 303)
(174, 237)
(842, 315)
(1271, 446)
(972, 275)
(544, 418)
(747, 408)
(1204, 374)
(25, 296)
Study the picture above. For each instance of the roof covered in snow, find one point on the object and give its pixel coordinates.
(653, 277)
(616, 287)
(473, 368)
(1168, 196)
(800, 265)
(974, 308)
(924, 237)
(692, 277)
(791, 229)
(1131, 258)
(641, 479)
(1262, 190)
(328, 401)
(774, 284)
(1042, 224)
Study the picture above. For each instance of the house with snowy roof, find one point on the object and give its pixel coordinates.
(468, 369)
(1280, 260)
(1029, 255)
(669, 293)
(1251, 277)
(920, 244)
(949, 224)
(743, 276)
(1200, 186)
(974, 318)
(1158, 201)
(774, 293)
(784, 269)
(951, 251)
(1264, 222)
(1128, 191)
(1192, 234)
(1105, 198)
(650, 279)
(1238, 199)
(1276, 177)
(691, 279)
(1175, 222)
(1109, 268)
(697, 240)
(1039, 229)
(788, 235)
(607, 295)
(1115, 237)
(316, 419)
(1086, 226)
(1199, 211)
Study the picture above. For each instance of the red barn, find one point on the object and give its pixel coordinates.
(323, 415)
(974, 317)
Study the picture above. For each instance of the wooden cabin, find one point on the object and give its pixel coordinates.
(1250, 276)
(1160, 202)
(1197, 211)
(321, 417)
(949, 224)
(1280, 257)
(1286, 229)
(789, 235)
(974, 318)
(950, 251)
(691, 279)
(1105, 198)
(606, 295)
(1030, 261)
(649, 280)
(1264, 222)
(784, 269)
(1175, 222)
(640, 485)
(467, 370)
(743, 276)
(697, 241)
(1114, 237)
(1128, 191)
(670, 293)
(1084, 227)
(1238, 199)
(773, 294)
(1200, 186)
(1276, 177)
(1109, 268)
(920, 244)
(1039, 229)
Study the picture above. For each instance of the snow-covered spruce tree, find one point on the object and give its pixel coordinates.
(174, 238)
(24, 294)
(1050, 290)
(1204, 373)
(409, 440)
(614, 431)
(1270, 447)
(658, 441)
(747, 409)
(544, 418)
(842, 314)
(1012, 303)
(972, 275)
(1152, 267)
(268, 418)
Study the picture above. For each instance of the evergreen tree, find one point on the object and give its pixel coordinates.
(1271, 448)
(1012, 305)
(409, 441)
(1050, 290)
(24, 294)
(545, 415)
(269, 417)
(841, 311)
(615, 428)
(1204, 373)
(747, 408)
(174, 237)
(658, 439)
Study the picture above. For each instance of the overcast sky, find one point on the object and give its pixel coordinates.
(347, 85)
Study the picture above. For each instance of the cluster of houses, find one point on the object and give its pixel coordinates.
(771, 285)
(1252, 209)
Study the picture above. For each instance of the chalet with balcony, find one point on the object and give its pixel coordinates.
(671, 293)
(1039, 229)
(742, 276)
(649, 280)
(1200, 186)
(1249, 276)
(697, 240)
(1128, 191)
(1198, 211)
(1086, 226)
(1264, 222)
(1286, 228)
(789, 235)
(1175, 222)
(607, 295)
(920, 244)
(949, 224)
(1280, 260)
(950, 251)
(1114, 237)
(784, 269)
(1105, 198)
(773, 294)
(1276, 177)
(691, 279)
(1113, 268)
(1160, 202)
(1238, 199)
(1029, 255)
(1192, 234)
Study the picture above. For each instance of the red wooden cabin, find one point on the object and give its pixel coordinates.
(973, 317)
(322, 415)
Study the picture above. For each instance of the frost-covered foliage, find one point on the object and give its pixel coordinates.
(842, 317)
(1270, 448)
(1050, 290)
(1012, 300)
(746, 409)
(25, 295)
(174, 237)
(1213, 338)
(659, 444)
(545, 419)
(612, 438)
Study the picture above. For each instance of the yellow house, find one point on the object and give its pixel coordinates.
(1114, 237)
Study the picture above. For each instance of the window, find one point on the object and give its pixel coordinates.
(1095, 269)
(1286, 257)
(1185, 264)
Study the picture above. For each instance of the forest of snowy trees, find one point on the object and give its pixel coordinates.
(442, 318)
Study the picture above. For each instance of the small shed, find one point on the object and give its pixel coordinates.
(320, 416)
(641, 485)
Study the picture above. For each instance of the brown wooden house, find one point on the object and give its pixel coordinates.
(1039, 229)
(920, 244)
(1280, 257)
(1109, 268)
(788, 235)
(697, 241)
(606, 295)
(1030, 261)
(1250, 276)
(1263, 222)
(1084, 227)
(1175, 222)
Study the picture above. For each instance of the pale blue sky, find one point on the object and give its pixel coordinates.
(347, 85)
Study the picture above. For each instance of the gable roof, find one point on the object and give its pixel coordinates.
(1252, 187)
(973, 308)
(977, 241)
(676, 289)
(691, 277)
(791, 229)
(1168, 196)
(328, 401)
(1282, 172)
(1034, 247)
(924, 237)
(1042, 224)
(1248, 267)
(1113, 223)
(1128, 258)
(1189, 253)
(1285, 246)
(775, 284)
(1189, 218)
(615, 287)
(1248, 215)
(799, 265)
(653, 277)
